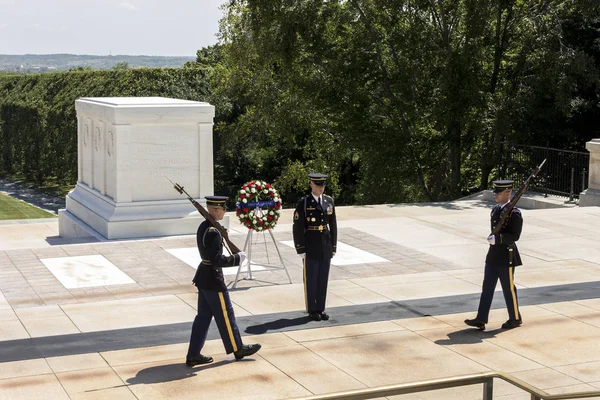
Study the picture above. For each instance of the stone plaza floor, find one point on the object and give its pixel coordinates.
(111, 320)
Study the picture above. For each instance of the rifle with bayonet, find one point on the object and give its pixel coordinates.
(513, 201)
(234, 249)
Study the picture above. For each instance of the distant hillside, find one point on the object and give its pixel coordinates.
(29, 63)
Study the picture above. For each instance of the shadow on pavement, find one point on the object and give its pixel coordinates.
(277, 324)
(171, 372)
(165, 373)
(468, 336)
(58, 241)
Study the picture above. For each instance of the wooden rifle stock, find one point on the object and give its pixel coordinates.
(234, 249)
(513, 202)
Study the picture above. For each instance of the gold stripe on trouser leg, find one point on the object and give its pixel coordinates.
(226, 316)
(512, 291)
(305, 291)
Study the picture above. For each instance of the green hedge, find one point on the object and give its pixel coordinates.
(38, 124)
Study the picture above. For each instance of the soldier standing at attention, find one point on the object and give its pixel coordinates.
(213, 296)
(502, 258)
(315, 240)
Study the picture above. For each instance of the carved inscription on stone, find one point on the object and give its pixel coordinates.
(161, 154)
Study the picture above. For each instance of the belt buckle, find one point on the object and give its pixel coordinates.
(320, 228)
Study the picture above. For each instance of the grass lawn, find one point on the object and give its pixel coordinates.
(16, 209)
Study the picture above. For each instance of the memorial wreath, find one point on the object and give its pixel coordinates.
(258, 205)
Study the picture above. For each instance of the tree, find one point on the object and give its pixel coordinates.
(121, 65)
(414, 93)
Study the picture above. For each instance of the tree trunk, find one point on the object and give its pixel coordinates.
(455, 157)
(485, 176)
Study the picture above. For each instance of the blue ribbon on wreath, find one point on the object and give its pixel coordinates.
(254, 204)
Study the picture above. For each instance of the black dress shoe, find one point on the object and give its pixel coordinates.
(197, 360)
(324, 316)
(512, 323)
(246, 350)
(475, 323)
(315, 316)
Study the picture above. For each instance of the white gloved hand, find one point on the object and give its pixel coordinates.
(303, 255)
(242, 257)
(492, 239)
(333, 254)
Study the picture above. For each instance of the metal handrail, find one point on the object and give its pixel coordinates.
(486, 378)
(559, 174)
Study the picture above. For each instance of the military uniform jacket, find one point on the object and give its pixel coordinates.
(209, 275)
(499, 255)
(315, 228)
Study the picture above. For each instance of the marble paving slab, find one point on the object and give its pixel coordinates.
(85, 271)
(191, 257)
(348, 255)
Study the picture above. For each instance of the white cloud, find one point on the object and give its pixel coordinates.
(127, 6)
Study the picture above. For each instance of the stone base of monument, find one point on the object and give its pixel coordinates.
(589, 198)
(72, 227)
(98, 217)
(90, 214)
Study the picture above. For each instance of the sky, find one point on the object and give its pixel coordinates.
(102, 27)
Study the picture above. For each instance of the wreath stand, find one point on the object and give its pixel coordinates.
(248, 246)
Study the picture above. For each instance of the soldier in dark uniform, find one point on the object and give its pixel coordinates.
(502, 258)
(213, 296)
(315, 239)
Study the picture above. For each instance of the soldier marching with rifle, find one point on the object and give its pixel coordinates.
(503, 254)
(213, 296)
